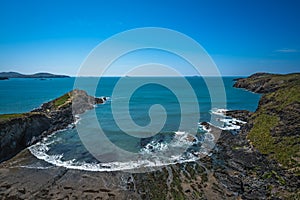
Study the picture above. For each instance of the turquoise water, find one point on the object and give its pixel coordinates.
(65, 148)
(22, 95)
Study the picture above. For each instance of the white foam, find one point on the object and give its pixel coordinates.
(180, 132)
(101, 167)
(152, 155)
(219, 111)
(185, 139)
(230, 123)
(40, 150)
(35, 167)
(77, 119)
(154, 146)
(181, 139)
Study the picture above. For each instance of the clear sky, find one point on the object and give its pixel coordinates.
(242, 36)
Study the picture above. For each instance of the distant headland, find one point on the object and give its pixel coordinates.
(7, 75)
(260, 162)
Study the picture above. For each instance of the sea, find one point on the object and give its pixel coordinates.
(143, 123)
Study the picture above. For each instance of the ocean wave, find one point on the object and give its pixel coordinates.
(35, 167)
(218, 111)
(156, 153)
(229, 123)
(152, 154)
(105, 167)
(148, 159)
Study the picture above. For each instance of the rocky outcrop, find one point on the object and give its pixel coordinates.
(243, 115)
(274, 128)
(265, 83)
(261, 162)
(205, 124)
(18, 131)
(235, 170)
(242, 166)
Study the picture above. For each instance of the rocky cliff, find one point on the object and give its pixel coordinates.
(274, 128)
(18, 131)
(261, 162)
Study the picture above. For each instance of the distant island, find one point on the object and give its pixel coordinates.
(7, 75)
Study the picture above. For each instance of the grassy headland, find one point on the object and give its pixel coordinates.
(275, 124)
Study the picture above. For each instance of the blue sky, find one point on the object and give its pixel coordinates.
(242, 36)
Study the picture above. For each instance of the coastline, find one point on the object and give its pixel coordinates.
(236, 169)
(20, 130)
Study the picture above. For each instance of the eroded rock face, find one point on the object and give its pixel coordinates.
(274, 128)
(236, 168)
(23, 131)
(18, 133)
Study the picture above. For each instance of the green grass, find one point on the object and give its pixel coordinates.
(274, 174)
(5, 117)
(287, 150)
(61, 100)
(280, 81)
(283, 97)
(283, 150)
(260, 133)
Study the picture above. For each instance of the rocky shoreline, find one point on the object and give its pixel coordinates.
(242, 166)
(18, 131)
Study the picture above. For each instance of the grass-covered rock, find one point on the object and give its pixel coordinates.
(274, 127)
(20, 130)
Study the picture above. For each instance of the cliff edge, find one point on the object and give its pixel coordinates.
(274, 128)
(261, 162)
(18, 131)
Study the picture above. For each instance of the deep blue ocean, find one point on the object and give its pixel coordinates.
(66, 148)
